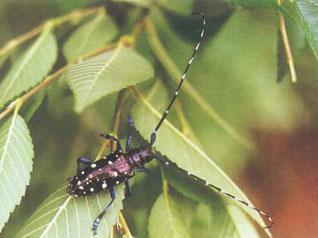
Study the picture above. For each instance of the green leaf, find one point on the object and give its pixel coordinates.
(308, 13)
(183, 7)
(30, 68)
(90, 36)
(184, 152)
(16, 154)
(61, 215)
(223, 218)
(166, 219)
(232, 222)
(107, 73)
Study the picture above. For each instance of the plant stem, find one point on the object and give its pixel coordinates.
(167, 203)
(125, 226)
(175, 74)
(116, 121)
(72, 17)
(115, 128)
(288, 52)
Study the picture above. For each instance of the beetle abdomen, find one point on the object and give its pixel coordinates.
(100, 175)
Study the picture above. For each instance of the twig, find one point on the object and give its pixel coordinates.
(175, 74)
(72, 17)
(115, 129)
(116, 121)
(165, 191)
(125, 226)
(288, 52)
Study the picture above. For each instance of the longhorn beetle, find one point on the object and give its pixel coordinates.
(119, 166)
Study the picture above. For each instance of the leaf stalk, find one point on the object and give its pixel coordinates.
(288, 51)
(73, 17)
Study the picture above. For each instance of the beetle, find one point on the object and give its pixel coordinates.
(119, 166)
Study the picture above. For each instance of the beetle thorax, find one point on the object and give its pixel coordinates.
(140, 156)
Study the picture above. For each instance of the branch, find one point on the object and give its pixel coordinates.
(288, 52)
(72, 17)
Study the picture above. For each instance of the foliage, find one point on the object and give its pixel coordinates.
(308, 17)
(16, 154)
(98, 76)
(30, 68)
(94, 54)
(62, 215)
(90, 36)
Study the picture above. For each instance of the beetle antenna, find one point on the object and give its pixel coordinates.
(183, 77)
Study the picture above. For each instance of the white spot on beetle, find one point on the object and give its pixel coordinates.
(81, 187)
(90, 176)
(115, 174)
(83, 172)
(93, 165)
(79, 182)
(109, 162)
(117, 182)
(104, 185)
(91, 189)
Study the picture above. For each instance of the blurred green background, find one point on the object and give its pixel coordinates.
(236, 73)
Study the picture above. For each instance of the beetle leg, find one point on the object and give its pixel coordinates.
(112, 138)
(128, 190)
(129, 136)
(82, 160)
(112, 193)
(140, 168)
